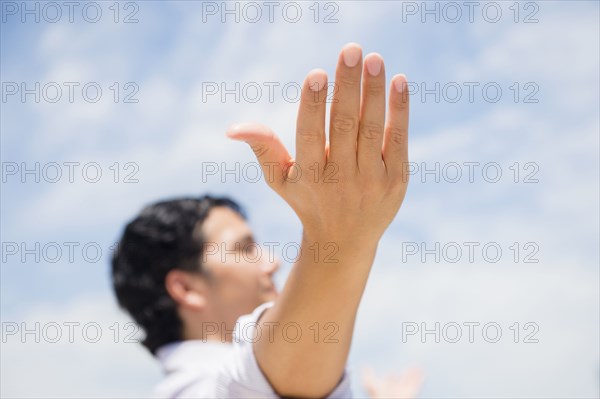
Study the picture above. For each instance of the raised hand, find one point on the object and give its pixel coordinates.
(345, 192)
(351, 187)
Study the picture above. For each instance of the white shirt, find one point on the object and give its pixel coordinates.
(198, 369)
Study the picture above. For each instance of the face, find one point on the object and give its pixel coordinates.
(238, 273)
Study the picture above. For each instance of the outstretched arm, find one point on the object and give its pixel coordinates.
(345, 193)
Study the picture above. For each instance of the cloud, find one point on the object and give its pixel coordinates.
(84, 348)
(563, 304)
(172, 131)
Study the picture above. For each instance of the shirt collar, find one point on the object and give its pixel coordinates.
(192, 354)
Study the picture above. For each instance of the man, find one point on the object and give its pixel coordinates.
(170, 275)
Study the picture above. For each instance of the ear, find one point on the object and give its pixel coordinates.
(186, 289)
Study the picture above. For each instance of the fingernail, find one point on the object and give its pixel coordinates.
(351, 54)
(317, 79)
(234, 128)
(399, 82)
(374, 64)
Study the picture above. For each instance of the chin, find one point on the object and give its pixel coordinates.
(270, 295)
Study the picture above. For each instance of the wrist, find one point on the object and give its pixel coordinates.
(347, 244)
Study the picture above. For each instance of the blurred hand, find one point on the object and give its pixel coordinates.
(403, 386)
(348, 189)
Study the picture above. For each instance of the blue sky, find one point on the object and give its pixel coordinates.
(170, 55)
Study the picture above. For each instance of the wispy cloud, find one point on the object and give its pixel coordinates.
(170, 55)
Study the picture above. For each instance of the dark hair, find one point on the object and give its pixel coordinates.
(161, 238)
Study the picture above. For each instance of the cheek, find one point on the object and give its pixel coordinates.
(252, 278)
(243, 280)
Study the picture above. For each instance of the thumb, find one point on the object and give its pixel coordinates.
(273, 157)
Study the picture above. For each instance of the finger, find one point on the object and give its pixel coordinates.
(273, 157)
(344, 118)
(370, 381)
(372, 117)
(310, 125)
(410, 383)
(395, 141)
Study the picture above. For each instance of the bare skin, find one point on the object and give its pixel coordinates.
(398, 386)
(362, 181)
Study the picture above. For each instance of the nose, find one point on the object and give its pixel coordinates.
(270, 267)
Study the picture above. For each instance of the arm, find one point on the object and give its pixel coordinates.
(360, 185)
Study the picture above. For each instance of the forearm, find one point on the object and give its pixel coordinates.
(321, 289)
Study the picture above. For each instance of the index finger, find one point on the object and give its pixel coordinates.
(310, 125)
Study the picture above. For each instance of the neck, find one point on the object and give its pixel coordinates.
(208, 329)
